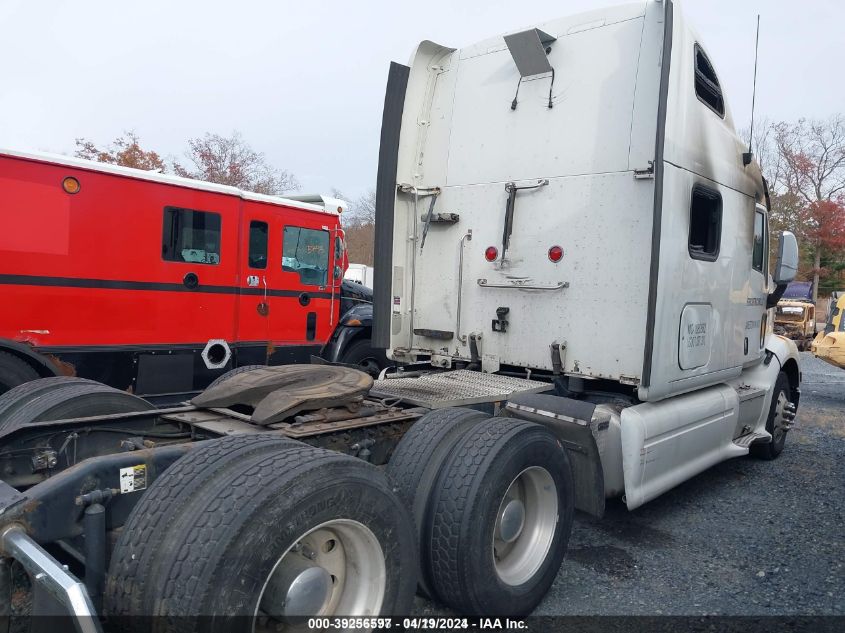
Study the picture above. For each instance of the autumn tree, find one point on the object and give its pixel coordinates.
(125, 150)
(359, 225)
(804, 164)
(229, 160)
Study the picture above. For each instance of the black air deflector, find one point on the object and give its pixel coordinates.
(528, 49)
(388, 159)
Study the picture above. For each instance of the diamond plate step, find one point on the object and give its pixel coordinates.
(745, 441)
(455, 388)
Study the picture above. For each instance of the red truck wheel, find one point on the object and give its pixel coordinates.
(14, 372)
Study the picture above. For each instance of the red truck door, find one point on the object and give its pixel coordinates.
(307, 268)
(256, 281)
(290, 294)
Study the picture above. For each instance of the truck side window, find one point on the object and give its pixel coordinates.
(707, 87)
(191, 236)
(705, 223)
(257, 256)
(306, 251)
(758, 256)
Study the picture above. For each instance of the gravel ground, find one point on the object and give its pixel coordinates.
(747, 537)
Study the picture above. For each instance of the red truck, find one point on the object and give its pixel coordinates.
(158, 284)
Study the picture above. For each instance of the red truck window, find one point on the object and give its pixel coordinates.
(257, 244)
(306, 251)
(191, 236)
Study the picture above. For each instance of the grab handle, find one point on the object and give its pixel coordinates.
(519, 285)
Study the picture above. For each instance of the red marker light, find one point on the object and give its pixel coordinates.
(555, 254)
(491, 253)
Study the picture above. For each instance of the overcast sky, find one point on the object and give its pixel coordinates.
(304, 81)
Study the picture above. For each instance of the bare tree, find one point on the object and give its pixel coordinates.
(124, 150)
(365, 207)
(765, 151)
(360, 240)
(359, 224)
(229, 160)
(362, 210)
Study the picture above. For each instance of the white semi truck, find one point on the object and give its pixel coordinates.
(573, 268)
(571, 202)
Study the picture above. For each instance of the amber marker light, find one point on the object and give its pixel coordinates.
(70, 185)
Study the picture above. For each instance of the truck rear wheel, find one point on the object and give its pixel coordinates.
(19, 396)
(14, 372)
(419, 458)
(135, 560)
(72, 400)
(270, 537)
(501, 515)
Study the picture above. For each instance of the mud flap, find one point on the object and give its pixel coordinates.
(580, 428)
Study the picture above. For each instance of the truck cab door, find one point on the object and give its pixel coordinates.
(309, 293)
(757, 315)
(254, 301)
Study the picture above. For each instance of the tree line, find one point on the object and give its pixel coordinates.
(804, 165)
(225, 160)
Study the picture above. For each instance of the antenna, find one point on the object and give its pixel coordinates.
(746, 157)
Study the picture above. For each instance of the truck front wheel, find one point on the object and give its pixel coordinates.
(362, 354)
(778, 421)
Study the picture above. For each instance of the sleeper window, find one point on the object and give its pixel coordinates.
(705, 223)
(191, 236)
(707, 87)
(257, 244)
(306, 251)
(759, 254)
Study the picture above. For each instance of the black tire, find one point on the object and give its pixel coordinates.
(77, 399)
(19, 396)
(135, 560)
(234, 372)
(361, 353)
(14, 372)
(466, 503)
(216, 551)
(770, 450)
(418, 459)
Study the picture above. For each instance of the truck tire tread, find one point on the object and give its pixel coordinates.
(135, 554)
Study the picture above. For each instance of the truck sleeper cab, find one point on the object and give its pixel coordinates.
(527, 178)
(158, 284)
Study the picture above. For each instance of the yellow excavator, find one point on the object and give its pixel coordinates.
(829, 345)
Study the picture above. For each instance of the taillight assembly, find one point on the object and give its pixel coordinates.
(555, 254)
(491, 253)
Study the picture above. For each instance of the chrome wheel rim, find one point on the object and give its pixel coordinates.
(525, 526)
(337, 567)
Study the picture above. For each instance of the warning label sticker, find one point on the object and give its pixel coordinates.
(133, 478)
